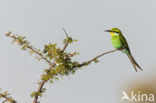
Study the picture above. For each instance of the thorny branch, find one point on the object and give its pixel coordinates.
(41, 84)
(52, 65)
(31, 48)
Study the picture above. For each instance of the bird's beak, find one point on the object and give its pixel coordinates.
(107, 31)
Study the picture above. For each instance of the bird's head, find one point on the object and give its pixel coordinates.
(114, 31)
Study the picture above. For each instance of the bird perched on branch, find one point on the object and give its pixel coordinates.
(119, 42)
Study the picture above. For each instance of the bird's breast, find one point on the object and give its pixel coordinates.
(116, 42)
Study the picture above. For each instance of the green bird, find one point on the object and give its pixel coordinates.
(119, 42)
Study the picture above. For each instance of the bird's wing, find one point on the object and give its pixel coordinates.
(123, 40)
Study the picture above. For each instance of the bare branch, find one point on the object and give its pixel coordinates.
(66, 42)
(65, 32)
(95, 58)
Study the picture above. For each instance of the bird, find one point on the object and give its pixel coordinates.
(119, 42)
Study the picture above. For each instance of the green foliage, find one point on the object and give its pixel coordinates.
(62, 60)
(7, 97)
(51, 51)
(69, 40)
(40, 93)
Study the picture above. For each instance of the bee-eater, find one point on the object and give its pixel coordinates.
(119, 42)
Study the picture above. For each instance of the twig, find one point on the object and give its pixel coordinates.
(39, 90)
(95, 58)
(33, 49)
(40, 87)
(65, 32)
(39, 54)
(8, 98)
(66, 43)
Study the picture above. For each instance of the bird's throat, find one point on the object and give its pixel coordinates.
(112, 34)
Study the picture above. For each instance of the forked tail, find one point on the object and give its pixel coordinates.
(134, 63)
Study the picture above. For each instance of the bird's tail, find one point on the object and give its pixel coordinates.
(134, 63)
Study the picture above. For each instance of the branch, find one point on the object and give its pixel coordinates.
(26, 45)
(39, 90)
(65, 64)
(40, 87)
(65, 32)
(7, 97)
(39, 54)
(95, 58)
(66, 42)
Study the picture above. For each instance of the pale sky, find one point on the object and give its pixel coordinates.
(41, 21)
